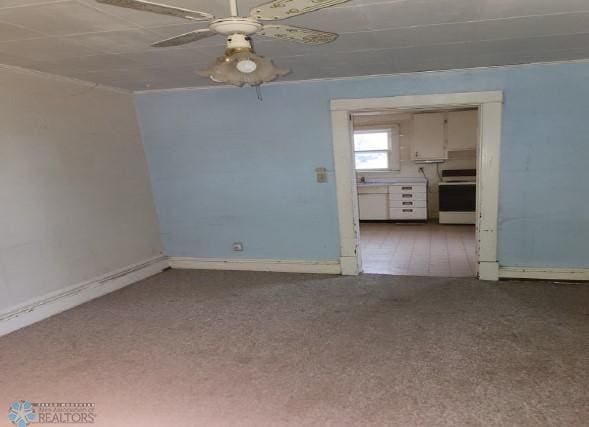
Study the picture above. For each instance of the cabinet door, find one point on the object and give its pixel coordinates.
(428, 140)
(462, 130)
(373, 206)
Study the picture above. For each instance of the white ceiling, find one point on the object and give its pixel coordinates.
(109, 45)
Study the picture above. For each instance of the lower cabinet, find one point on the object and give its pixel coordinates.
(373, 206)
(408, 201)
(393, 202)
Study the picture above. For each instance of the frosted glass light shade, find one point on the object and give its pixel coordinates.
(225, 69)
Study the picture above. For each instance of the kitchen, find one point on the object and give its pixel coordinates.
(416, 182)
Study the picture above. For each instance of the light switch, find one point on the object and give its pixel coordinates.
(321, 174)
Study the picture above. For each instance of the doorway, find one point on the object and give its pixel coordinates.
(416, 184)
(489, 105)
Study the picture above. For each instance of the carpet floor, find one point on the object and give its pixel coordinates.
(214, 348)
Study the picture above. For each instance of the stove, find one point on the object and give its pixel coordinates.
(457, 196)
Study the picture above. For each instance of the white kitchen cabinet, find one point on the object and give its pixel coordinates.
(428, 139)
(462, 130)
(408, 201)
(373, 206)
(435, 134)
(405, 199)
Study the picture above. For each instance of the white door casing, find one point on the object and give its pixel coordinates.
(490, 105)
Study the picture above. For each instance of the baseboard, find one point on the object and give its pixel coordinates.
(488, 270)
(544, 273)
(64, 299)
(349, 265)
(284, 266)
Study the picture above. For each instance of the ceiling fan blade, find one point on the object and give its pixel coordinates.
(282, 9)
(297, 34)
(185, 38)
(162, 9)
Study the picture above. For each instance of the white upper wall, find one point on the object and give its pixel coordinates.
(75, 198)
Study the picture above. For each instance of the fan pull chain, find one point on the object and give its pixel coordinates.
(259, 93)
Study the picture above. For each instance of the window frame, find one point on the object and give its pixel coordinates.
(389, 151)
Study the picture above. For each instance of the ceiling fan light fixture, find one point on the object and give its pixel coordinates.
(243, 67)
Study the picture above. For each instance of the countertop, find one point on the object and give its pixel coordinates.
(392, 181)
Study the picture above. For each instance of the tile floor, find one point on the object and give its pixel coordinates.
(418, 249)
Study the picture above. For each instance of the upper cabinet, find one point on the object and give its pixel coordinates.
(435, 134)
(428, 139)
(462, 130)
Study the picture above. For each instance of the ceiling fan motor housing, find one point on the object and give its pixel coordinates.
(235, 25)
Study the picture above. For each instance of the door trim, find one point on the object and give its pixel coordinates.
(490, 106)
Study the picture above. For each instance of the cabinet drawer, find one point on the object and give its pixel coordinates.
(407, 196)
(411, 203)
(408, 188)
(408, 213)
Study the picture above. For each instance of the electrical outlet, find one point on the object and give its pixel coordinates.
(238, 246)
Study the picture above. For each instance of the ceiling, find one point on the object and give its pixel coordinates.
(109, 45)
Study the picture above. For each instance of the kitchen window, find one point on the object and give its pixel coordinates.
(374, 149)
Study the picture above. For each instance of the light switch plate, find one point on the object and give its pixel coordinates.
(321, 174)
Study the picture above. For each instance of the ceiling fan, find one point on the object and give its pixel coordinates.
(240, 65)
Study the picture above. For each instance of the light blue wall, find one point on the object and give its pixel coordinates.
(227, 168)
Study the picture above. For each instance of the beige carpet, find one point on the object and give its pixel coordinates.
(203, 348)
